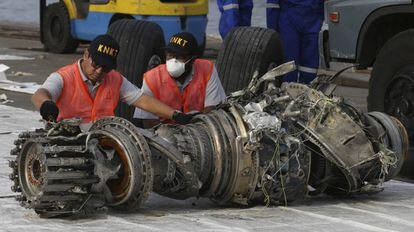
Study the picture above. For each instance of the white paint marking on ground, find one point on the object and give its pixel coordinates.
(215, 226)
(399, 205)
(18, 88)
(398, 182)
(123, 221)
(379, 215)
(25, 87)
(13, 57)
(358, 225)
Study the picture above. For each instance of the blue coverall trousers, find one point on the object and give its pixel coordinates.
(272, 14)
(299, 23)
(234, 13)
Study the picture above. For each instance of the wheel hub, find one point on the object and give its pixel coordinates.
(399, 99)
(56, 29)
(34, 169)
(119, 186)
(154, 61)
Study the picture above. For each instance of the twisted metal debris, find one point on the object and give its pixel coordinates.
(267, 144)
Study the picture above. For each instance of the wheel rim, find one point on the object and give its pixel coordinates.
(32, 172)
(120, 187)
(404, 136)
(56, 29)
(399, 99)
(154, 61)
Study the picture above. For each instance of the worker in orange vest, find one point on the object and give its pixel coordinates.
(185, 83)
(90, 89)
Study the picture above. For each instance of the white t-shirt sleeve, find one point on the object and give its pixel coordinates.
(140, 113)
(214, 91)
(129, 93)
(54, 85)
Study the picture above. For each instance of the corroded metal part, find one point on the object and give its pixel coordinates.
(337, 133)
(180, 181)
(54, 182)
(141, 159)
(266, 144)
(218, 146)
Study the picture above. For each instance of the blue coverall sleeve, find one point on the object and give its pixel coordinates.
(272, 14)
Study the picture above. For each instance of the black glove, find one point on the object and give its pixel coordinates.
(49, 111)
(182, 118)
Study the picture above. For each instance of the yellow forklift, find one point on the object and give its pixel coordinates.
(65, 23)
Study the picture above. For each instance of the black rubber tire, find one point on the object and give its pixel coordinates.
(138, 42)
(395, 59)
(202, 47)
(395, 142)
(56, 29)
(245, 50)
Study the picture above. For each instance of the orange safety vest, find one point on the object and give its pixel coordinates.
(166, 90)
(75, 100)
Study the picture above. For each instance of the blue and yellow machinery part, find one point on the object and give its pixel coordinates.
(172, 15)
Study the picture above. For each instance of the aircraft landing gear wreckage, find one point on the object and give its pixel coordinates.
(267, 144)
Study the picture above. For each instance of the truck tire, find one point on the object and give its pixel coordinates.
(202, 46)
(141, 44)
(391, 86)
(56, 29)
(245, 50)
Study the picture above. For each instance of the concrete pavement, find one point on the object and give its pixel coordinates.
(390, 210)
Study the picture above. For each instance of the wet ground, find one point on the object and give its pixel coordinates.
(390, 210)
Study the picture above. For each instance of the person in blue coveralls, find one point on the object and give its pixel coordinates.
(298, 23)
(234, 13)
(272, 14)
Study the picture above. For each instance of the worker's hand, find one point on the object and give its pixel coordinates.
(49, 111)
(182, 118)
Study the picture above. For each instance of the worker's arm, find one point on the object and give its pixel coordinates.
(50, 90)
(160, 109)
(154, 106)
(42, 100)
(40, 96)
(132, 95)
(149, 120)
(45, 97)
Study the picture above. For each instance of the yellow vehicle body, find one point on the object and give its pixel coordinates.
(86, 19)
(144, 7)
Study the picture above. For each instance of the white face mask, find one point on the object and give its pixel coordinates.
(175, 67)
